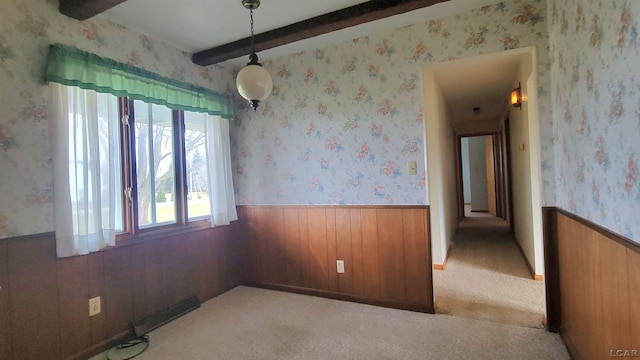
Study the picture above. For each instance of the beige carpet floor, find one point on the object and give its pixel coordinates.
(251, 323)
(487, 278)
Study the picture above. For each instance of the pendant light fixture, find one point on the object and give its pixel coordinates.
(254, 82)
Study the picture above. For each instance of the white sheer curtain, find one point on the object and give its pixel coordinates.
(86, 163)
(222, 200)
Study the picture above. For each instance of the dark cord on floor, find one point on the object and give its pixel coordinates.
(117, 352)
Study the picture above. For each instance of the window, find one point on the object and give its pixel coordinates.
(133, 151)
(152, 167)
(155, 154)
(168, 176)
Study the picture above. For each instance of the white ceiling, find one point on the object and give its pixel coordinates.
(195, 25)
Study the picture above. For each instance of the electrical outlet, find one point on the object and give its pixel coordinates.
(340, 265)
(94, 306)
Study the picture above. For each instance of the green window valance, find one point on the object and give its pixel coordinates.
(73, 67)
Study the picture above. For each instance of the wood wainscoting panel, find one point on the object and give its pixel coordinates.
(202, 262)
(305, 251)
(370, 260)
(615, 327)
(220, 262)
(355, 223)
(418, 275)
(633, 270)
(318, 261)
(174, 269)
(118, 286)
(35, 323)
(570, 287)
(154, 288)
(44, 301)
(273, 228)
(391, 255)
(73, 292)
(591, 283)
(291, 234)
(384, 248)
(343, 250)
(332, 250)
(96, 288)
(138, 282)
(250, 218)
(5, 313)
(599, 289)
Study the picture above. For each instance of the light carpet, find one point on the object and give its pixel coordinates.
(487, 278)
(251, 323)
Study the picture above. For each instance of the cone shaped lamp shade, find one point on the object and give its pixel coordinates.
(254, 83)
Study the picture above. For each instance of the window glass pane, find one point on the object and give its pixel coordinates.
(197, 176)
(154, 164)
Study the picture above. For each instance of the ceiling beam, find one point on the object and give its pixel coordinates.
(319, 25)
(85, 9)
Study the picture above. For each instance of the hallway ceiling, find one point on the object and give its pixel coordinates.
(483, 81)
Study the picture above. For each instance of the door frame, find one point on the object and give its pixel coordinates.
(527, 54)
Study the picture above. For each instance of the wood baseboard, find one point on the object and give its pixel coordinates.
(534, 276)
(104, 345)
(344, 297)
(444, 264)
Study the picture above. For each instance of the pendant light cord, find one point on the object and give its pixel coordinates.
(253, 50)
(253, 57)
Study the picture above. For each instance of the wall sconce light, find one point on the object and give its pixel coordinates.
(516, 97)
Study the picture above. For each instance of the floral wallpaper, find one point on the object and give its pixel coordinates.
(27, 28)
(343, 121)
(596, 104)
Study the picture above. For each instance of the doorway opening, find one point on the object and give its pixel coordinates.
(478, 176)
(485, 230)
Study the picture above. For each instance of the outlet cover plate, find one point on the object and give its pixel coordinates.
(412, 167)
(94, 306)
(340, 266)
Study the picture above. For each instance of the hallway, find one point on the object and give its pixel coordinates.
(487, 278)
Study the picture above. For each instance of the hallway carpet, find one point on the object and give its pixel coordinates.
(251, 323)
(487, 278)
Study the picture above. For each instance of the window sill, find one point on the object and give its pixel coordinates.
(160, 232)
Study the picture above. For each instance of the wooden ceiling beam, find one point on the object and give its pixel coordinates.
(319, 25)
(85, 9)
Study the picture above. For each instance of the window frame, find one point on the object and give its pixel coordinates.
(131, 228)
